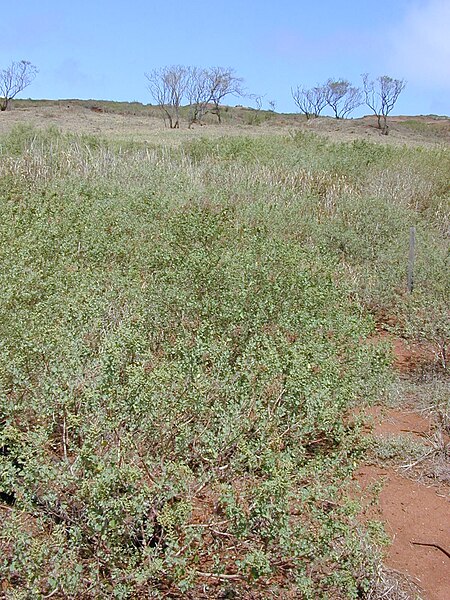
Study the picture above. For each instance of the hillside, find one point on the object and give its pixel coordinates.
(199, 330)
(143, 122)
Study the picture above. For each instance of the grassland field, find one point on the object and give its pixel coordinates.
(187, 323)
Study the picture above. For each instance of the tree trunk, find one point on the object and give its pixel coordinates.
(216, 111)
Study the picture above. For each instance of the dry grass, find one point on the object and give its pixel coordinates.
(392, 585)
(425, 459)
(144, 123)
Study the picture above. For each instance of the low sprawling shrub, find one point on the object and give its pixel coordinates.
(184, 336)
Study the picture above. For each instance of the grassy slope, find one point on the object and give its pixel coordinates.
(136, 121)
(185, 331)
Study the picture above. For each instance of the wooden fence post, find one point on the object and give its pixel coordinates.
(412, 248)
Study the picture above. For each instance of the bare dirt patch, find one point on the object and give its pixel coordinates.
(411, 357)
(396, 421)
(414, 513)
(414, 502)
(408, 356)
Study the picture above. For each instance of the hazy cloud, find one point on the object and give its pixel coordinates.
(421, 44)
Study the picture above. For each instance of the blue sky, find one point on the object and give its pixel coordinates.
(101, 48)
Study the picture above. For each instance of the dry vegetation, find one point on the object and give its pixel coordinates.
(143, 122)
(187, 324)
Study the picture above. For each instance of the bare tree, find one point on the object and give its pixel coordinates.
(342, 97)
(167, 87)
(14, 79)
(200, 87)
(257, 99)
(311, 102)
(198, 93)
(381, 96)
(223, 82)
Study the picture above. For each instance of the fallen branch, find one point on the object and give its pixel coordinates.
(432, 546)
(221, 577)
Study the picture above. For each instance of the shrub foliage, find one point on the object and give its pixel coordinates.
(184, 335)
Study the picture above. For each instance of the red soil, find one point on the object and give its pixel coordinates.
(390, 421)
(414, 513)
(411, 511)
(408, 356)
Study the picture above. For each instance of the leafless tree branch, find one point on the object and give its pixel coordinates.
(381, 96)
(223, 82)
(167, 87)
(198, 94)
(14, 79)
(342, 97)
(310, 102)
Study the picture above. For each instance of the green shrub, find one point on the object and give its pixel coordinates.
(183, 340)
